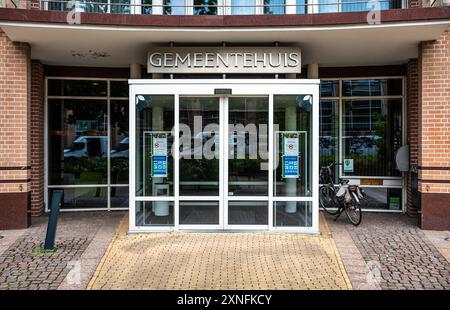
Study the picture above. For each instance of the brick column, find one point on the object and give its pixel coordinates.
(14, 133)
(434, 132)
(37, 138)
(412, 119)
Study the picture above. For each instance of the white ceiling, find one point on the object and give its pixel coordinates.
(83, 45)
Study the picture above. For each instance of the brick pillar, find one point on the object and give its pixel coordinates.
(412, 119)
(14, 134)
(434, 132)
(37, 138)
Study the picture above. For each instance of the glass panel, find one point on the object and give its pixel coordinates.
(354, 6)
(119, 197)
(205, 7)
(118, 89)
(154, 213)
(119, 141)
(328, 6)
(243, 7)
(382, 198)
(83, 197)
(248, 213)
(329, 133)
(154, 139)
(388, 87)
(372, 133)
(329, 88)
(292, 214)
(120, 6)
(77, 141)
(199, 146)
(248, 146)
(293, 128)
(85, 88)
(199, 212)
(146, 7)
(174, 7)
(301, 6)
(274, 7)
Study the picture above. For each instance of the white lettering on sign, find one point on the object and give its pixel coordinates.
(224, 60)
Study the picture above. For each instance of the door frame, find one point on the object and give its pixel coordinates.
(240, 88)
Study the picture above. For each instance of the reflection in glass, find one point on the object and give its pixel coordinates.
(154, 120)
(174, 7)
(77, 141)
(329, 88)
(274, 6)
(382, 198)
(387, 87)
(146, 7)
(302, 217)
(301, 7)
(119, 196)
(248, 213)
(329, 134)
(205, 7)
(372, 133)
(199, 212)
(119, 6)
(83, 197)
(119, 89)
(293, 120)
(199, 146)
(80, 88)
(150, 213)
(243, 7)
(248, 146)
(119, 141)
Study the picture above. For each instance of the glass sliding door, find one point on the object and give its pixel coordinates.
(199, 163)
(247, 162)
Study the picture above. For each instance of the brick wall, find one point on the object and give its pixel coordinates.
(14, 132)
(434, 130)
(37, 138)
(412, 119)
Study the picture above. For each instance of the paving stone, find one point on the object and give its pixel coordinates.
(23, 266)
(405, 255)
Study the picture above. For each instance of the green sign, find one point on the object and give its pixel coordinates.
(348, 165)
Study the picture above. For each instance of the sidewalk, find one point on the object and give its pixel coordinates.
(221, 261)
(389, 251)
(81, 241)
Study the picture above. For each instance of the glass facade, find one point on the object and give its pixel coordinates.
(361, 121)
(87, 141)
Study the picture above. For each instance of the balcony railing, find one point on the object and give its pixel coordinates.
(210, 7)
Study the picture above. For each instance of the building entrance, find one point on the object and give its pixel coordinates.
(224, 155)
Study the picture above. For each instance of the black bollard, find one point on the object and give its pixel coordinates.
(53, 219)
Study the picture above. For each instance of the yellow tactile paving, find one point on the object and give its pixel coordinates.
(220, 261)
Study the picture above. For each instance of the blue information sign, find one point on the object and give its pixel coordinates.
(290, 166)
(159, 166)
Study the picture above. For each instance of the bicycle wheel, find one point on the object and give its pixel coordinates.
(327, 199)
(353, 212)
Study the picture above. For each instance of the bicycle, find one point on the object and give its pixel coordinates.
(347, 197)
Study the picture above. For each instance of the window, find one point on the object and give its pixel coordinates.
(88, 142)
(205, 7)
(243, 7)
(274, 6)
(174, 7)
(372, 133)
